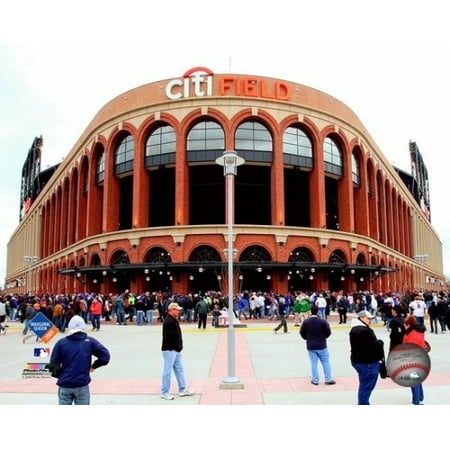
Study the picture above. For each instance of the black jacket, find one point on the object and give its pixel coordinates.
(397, 327)
(364, 346)
(172, 338)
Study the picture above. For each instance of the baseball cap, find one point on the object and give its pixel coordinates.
(365, 313)
(174, 305)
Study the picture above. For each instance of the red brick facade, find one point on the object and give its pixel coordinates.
(96, 229)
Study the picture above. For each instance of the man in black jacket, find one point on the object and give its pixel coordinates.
(366, 354)
(172, 346)
(396, 327)
(315, 331)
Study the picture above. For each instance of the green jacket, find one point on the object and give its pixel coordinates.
(305, 305)
(201, 307)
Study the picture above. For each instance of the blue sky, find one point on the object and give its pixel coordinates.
(388, 64)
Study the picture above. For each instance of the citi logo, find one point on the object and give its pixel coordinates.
(196, 82)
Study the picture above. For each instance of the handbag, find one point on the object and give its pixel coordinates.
(383, 369)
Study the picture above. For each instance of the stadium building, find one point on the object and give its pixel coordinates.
(140, 203)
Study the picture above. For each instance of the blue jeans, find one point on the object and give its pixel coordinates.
(322, 312)
(373, 311)
(95, 318)
(368, 377)
(149, 315)
(25, 327)
(13, 314)
(121, 317)
(172, 361)
(188, 315)
(323, 356)
(417, 394)
(77, 396)
(139, 317)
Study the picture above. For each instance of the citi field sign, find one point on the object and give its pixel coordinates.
(201, 82)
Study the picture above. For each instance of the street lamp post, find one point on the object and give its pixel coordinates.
(230, 161)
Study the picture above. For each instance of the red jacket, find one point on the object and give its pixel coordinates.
(96, 307)
(416, 336)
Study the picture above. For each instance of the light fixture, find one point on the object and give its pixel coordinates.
(361, 279)
(311, 277)
(191, 277)
(259, 269)
(352, 271)
(104, 273)
(230, 161)
(201, 269)
(114, 280)
(146, 271)
(342, 278)
(219, 277)
(94, 280)
(268, 277)
(313, 269)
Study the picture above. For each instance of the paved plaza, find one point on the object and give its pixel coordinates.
(273, 368)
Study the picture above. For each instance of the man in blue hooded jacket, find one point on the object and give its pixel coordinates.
(71, 362)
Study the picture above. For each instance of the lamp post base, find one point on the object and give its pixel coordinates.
(231, 383)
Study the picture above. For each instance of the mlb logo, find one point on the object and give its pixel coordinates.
(41, 352)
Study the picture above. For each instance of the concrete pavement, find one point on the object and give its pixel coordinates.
(273, 368)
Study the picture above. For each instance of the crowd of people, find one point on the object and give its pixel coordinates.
(150, 307)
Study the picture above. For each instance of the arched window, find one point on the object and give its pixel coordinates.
(301, 255)
(160, 147)
(120, 258)
(158, 255)
(124, 155)
(297, 148)
(95, 260)
(356, 177)
(332, 157)
(100, 170)
(337, 257)
(255, 253)
(252, 135)
(205, 141)
(205, 253)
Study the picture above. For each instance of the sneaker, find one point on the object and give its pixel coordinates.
(167, 397)
(330, 382)
(185, 393)
(315, 383)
